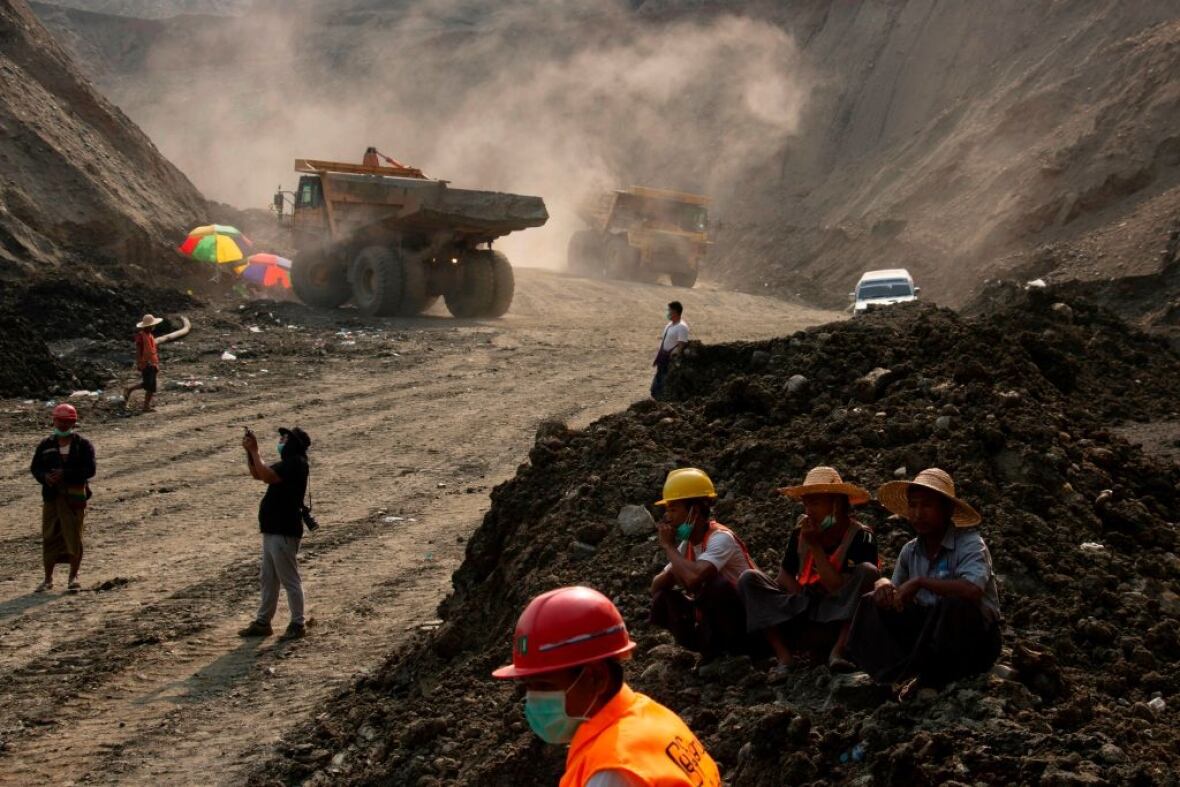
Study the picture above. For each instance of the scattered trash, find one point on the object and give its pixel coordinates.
(255, 329)
(85, 394)
(1038, 283)
(393, 519)
(1091, 546)
(228, 356)
(1157, 704)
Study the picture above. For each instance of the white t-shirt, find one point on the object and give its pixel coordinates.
(674, 333)
(724, 553)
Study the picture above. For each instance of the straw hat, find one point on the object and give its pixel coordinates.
(826, 481)
(148, 321)
(894, 496)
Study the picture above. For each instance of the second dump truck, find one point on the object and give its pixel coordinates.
(640, 233)
(393, 241)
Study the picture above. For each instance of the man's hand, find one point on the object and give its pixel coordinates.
(884, 593)
(250, 442)
(810, 534)
(53, 477)
(667, 534)
(908, 590)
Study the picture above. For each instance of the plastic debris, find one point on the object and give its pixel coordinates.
(228, 356)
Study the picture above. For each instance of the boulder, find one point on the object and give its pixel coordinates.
(636, 521)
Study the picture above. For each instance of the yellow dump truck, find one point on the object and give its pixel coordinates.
(641, 233)
(392, 240)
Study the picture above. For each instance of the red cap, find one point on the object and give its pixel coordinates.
(566, 628)
(65, 412)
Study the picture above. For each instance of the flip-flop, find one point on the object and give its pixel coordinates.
(44, 586)
(778, 673)
(74, 586)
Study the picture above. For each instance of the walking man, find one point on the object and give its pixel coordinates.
(63, 464)
(147, 361)
(673, 342)
(280, 518)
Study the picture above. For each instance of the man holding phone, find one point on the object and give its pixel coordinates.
(280, 518)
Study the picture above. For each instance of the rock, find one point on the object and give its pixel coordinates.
(673, 654)
(942, 423)
(1062, 311)
(726, 670)
(1142, 710)
(655, 674)
(579, 550)
(760, 359)
(856, 690)
(636, 521)
(798, 385)
(1003, 672)
(591, 533)
(870, 387)
(1111, 754)
(1055, 777)
(1170, 604)
(900, 472)
(1157, 704)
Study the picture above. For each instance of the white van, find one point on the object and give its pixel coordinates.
(883, 288)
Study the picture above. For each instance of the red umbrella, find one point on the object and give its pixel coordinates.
(268, 270)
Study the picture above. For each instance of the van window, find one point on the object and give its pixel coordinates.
(887, 288)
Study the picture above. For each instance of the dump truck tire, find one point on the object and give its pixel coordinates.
(584, 254)
(503, 283)
(622, 261)
(683, 279)
(414, 299)
(318, 280)
(472, 293)
(377, 282)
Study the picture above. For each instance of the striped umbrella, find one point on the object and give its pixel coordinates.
(268, 270)
(216, 243)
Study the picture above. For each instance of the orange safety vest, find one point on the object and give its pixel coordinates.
(636, 734)
(809, 574)
(715, 527)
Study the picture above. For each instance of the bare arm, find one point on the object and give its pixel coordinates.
(691, 574)
(258, 468)
(788, 582)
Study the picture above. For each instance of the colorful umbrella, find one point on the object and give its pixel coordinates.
(216, 243)
(269, 270)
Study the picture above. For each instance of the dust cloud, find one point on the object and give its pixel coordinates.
(547, 97)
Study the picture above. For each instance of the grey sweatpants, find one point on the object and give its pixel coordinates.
(280, 566)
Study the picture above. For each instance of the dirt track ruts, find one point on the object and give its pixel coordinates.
(146, 681)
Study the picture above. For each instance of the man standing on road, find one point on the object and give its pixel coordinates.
(63, 464)
(672, 342)
(147, 361)
(568, 650)
(280, 518)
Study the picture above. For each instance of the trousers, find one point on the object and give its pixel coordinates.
(280, 566)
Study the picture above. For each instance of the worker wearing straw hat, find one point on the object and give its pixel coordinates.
(147, 361)
(938, 619)
(695, 597)
(828, 564)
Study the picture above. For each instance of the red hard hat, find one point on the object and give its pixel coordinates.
(66, 412)
(566, 628)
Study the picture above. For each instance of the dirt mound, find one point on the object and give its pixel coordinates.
(85, 193)
(1017, 404)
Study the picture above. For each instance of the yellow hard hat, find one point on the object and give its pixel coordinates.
(687, 483)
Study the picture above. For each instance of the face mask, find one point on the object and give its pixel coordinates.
(684, 529)
(545, 713)
(668, 315)
(829, 520)
(281, 444)
(62, 432)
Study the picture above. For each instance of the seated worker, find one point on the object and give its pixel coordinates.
(695, 597)
(568, 650)
(938, 619)
(830, 561)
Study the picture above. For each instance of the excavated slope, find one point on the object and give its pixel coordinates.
(83, 192)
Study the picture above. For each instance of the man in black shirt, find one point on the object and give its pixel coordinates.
(281, 522)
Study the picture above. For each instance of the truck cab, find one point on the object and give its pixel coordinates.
(882, 288)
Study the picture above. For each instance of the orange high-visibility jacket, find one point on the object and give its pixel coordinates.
(636, 734)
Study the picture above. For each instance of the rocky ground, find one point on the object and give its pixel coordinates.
(1028, 407)
(140, 678)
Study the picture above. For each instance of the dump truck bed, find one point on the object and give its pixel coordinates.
(360, 197)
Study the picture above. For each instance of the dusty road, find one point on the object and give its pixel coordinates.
(141, 678)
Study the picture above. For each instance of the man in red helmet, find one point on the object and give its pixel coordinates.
(63, 464)
(568, 650)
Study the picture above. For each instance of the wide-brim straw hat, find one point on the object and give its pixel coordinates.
(895, 496)
(826, 481)
(148, 321)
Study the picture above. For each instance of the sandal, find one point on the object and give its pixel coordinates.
(74, 586)
(44, 586)
(778, 673)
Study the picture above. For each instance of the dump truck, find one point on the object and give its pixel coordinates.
(641, 233)
(392, 240)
